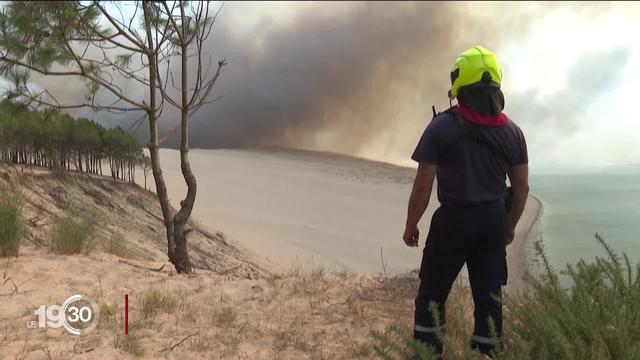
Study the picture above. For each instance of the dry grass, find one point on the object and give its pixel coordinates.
(200, 344)
(303, 314)
(71, 235)
(155, 301)
(225, 317)
(11, 222)
(117, 245)
(130, 343)
(306, 313)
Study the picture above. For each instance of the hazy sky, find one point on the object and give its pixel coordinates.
(568, 75)
(360, 78)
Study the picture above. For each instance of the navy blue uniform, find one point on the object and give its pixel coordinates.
(471, 224)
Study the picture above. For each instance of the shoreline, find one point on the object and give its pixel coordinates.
(520, 254)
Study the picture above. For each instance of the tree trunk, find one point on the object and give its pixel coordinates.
(181, 259)
(161, 188)
(186, 206)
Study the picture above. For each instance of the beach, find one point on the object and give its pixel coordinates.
(293, 207)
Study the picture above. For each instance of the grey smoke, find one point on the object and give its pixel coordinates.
(365, 78)
(341, 73)
(347, 82)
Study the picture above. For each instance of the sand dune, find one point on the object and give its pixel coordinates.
(300, 314)
(299, 207)
(229, 308)
(291, 207)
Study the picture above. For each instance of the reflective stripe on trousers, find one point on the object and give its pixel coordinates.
(485, 340)
(428, 330)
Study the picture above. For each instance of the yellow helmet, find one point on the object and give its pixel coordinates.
(476, 65)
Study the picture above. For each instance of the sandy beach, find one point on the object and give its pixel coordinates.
(297, 207)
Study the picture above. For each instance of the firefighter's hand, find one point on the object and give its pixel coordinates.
(511, 235)
(411, 235)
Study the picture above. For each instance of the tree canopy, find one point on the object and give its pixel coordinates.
(52, 138)
(109, 46)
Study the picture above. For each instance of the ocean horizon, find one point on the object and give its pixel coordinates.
(576, 206)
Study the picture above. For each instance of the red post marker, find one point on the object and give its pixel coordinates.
(126, 314)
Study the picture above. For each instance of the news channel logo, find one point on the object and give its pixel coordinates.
(78, 315)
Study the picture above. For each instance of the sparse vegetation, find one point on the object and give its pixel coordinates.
(595, 317)
(71, 236)
(225, 317)
(107, 314)
(11, 223)
(129, 343)
(292, 335)
(199, 344)
(231, 333)
(311, 281)
(117, 246)
(155, 301)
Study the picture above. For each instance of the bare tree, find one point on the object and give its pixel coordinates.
(155, 46)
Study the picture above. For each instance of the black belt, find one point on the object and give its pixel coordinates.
(473, 204)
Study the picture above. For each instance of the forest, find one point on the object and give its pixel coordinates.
(54, 139)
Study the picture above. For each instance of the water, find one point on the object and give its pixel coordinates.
(577, 206)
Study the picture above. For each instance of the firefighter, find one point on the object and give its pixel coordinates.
(470, 148)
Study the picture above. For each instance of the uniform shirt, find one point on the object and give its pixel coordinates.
(470, 171)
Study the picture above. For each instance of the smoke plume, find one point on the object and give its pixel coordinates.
(343, 80)
(360, 78)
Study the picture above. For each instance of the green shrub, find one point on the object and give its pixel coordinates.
(595, 316)
(11, 223)
(71, 236)
(395, 344)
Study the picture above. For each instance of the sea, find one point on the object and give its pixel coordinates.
(578, 205)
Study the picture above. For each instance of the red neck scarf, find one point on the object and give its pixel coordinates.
(480, 119)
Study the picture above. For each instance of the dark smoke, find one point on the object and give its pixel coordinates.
(354, 79)
(334, 81)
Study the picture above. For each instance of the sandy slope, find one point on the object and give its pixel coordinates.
(297, 206)
(308, 314)
(336, 210)
(113, 207)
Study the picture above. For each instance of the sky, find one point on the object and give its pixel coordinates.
(568, 70)
(360, 78)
